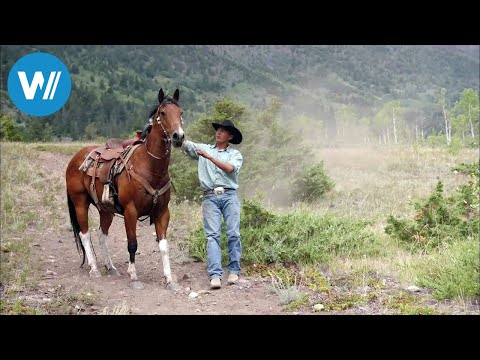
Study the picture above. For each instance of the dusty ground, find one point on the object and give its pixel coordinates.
(60, 286)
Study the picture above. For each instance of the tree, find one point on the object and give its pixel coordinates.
(344, 117)
(442, 102)
(309, 128)
(91, 131)
(389, 115)
(395, 107)
(38, 130)
(8, 131)
(467, 110)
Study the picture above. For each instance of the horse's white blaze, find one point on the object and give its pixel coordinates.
(87, 245)
(131, 270)
(162, 244)
(180, 132)
(102, 239)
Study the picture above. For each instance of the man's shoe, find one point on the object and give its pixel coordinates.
(215, 283)
(232, 279)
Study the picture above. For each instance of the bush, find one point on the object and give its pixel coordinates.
(436, 140)
(468, 169)
(254, 215)
(8, 131)
(455, 145)
(312, 184)
(299, 237)
(439, 219)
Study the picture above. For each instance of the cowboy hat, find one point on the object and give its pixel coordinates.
(228, 125)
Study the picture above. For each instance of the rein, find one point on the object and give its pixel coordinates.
(159, 192)
(149, 153)
(167, 137)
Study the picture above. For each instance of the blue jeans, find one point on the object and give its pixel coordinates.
(214, 206)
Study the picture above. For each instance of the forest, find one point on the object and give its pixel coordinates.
(347, 93)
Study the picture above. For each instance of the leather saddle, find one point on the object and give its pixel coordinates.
(104, 157)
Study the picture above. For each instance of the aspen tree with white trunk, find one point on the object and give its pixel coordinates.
(442, 102)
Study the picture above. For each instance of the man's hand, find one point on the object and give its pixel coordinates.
(220, 164)
(202, 153)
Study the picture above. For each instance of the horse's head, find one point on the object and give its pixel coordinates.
(168, 117)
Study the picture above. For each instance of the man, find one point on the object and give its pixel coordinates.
(218, 168)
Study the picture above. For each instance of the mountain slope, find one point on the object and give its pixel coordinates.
(115, 86)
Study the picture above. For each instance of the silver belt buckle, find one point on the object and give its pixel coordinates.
(218, 190)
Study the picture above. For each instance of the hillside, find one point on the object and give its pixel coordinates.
(115, 86)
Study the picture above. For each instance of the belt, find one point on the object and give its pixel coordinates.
(217, 191)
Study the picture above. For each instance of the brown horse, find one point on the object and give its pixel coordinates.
(142, 189)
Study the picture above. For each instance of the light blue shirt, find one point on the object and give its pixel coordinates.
(209, 175)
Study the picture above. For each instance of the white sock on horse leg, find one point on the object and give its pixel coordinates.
(87, 245)
(132, 271)
(163, 245)
(102, 239)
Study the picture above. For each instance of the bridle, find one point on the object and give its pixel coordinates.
(158, 118)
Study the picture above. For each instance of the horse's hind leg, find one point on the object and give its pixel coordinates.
(161, 230)
(106, 219)
(130, 217)
(81, 208)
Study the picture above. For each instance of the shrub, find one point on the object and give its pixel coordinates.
(8, 131)
(299, 237)
(439, 219)
(312, 184)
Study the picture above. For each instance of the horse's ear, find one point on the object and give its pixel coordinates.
(161, 96)
(176, 95)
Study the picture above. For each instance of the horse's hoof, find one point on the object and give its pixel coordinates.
(136, 285)
(173, 286)
(113, 272)
(95, 274)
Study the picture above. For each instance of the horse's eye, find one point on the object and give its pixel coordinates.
(162, 112)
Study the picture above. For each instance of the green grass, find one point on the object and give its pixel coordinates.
(30, 203)
(60, 148)
(19, 213)
(343, 302)
(15, 262)
(18, 307)
(453, 272)
(407, 304)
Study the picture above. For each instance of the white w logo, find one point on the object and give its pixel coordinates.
(30, 89)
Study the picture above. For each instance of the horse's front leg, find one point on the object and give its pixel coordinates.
(161, 225)
(130, 217)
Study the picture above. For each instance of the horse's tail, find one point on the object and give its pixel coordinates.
(75, 227)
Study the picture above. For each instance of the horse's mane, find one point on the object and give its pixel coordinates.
(153, 111)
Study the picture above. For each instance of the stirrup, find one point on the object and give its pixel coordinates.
(106, 193)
